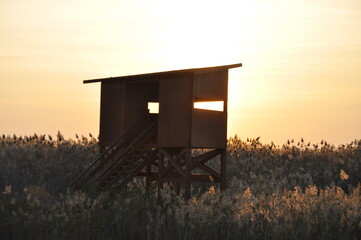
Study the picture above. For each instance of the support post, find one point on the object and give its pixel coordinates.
(188, 173)
(223, 169)
(102, 150)
(147, 177)
(160, 171)
(177, 188)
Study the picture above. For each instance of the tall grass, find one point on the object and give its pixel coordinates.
(295, 191)
(51, 163)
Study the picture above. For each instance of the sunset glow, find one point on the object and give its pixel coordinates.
(214, 105)
(300, 76)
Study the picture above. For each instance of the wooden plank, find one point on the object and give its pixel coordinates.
(208, 169)
(157, 75)
(112, 107)
(137, 97)
(173, 161)
(223, 169)
(209, 129)
(148, 176)
(160, 169)
(211, 85)
(122, 158)
(175, 105)
(153, 175)
(121, 105)
(188, 174)
(193, 177)
(207, 156)
(149, 158)
(203, 178)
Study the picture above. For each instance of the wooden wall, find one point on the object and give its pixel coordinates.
(175, 106)
(211, 85)
(123, 103)
(112, 106)
(137, 97)
(209, 128)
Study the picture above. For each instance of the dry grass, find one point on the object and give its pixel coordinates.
(296, 191)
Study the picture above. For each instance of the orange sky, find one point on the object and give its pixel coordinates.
(301, 74)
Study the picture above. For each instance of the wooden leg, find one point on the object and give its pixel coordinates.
(101, 151)
(223, 169)
(177, 188)
(187, 180)
(147, 177)
(160, 171)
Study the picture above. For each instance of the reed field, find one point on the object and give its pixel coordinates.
(299, 190)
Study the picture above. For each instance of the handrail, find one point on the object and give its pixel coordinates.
(124, 151)
(145, 115)
(108, 170)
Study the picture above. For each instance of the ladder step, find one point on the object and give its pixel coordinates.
(130, 150)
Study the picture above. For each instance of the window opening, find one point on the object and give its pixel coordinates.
(153, 107)
(210, 105)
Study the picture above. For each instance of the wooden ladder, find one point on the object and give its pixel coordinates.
(124, 159)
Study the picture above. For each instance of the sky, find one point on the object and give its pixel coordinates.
(301, 74)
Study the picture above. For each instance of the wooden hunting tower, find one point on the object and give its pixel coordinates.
(161, 146)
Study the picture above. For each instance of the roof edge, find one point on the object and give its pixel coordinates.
(166, 72)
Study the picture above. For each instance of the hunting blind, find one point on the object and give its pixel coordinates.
(161, 145)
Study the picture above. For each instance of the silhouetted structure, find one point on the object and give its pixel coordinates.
(161, 146)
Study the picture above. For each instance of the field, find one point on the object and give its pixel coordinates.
(295, 191)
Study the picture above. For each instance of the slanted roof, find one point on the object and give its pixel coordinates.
(154, 76)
